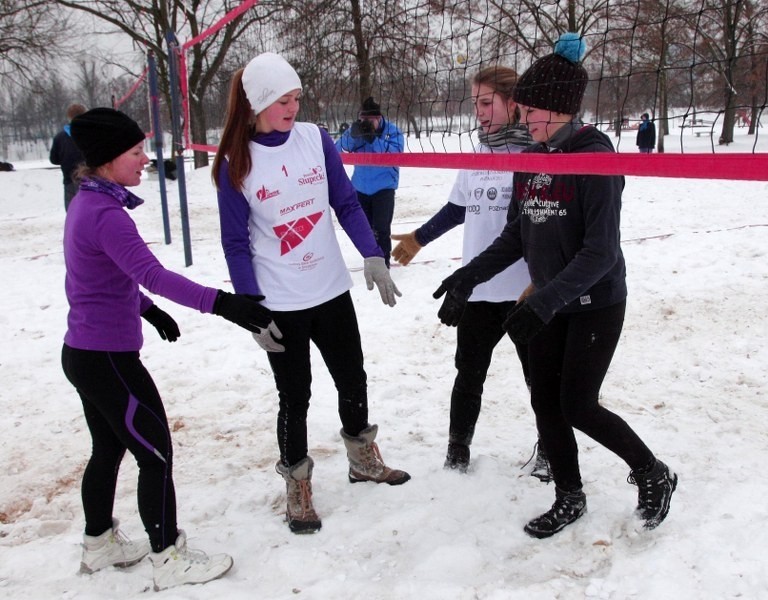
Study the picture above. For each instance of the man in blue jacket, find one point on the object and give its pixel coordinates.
(375, 185)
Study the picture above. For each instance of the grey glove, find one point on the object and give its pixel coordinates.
(267, 338)
(375, 271)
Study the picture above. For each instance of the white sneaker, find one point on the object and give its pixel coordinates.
(178, 565)
(111, 548)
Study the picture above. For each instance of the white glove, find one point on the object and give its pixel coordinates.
(266, 338)
(375, 271)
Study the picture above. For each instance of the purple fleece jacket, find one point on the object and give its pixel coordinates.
(106, 261)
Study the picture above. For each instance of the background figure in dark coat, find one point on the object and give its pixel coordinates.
(66, 154)
(646, 134)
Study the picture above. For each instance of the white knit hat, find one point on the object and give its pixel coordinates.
(266, 78)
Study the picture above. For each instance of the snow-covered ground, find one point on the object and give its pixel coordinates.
(690, 376)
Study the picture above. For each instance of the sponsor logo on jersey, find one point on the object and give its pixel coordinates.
(296, 206)
(478, 193)
(293, 233)
(492, 193)
(265, 194)
(316, 175)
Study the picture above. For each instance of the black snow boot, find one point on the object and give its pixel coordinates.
(540, 469)
(568, 507)
(457, 457)
(654, 492)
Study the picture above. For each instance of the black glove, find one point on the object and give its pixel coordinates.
(242, 309)
(455, 300)
(522, 324)
(163, 322)
(363, 128)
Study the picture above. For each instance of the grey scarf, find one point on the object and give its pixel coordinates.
(509, 135)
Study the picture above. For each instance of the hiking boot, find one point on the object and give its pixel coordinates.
(178, 565)
(365, 462)
(654, 492)
(457, 457)
(568, 507)
(300, 513)
(540, 469)
(111, 549)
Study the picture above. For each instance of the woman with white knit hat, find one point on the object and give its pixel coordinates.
(279, 182)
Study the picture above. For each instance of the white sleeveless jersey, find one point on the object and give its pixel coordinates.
(296, 256)
(486, 196)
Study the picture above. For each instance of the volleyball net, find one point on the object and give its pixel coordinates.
(699, 68)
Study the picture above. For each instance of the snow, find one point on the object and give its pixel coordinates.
(689, 375)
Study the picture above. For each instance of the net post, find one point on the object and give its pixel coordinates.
(173, 74)
(156, 127)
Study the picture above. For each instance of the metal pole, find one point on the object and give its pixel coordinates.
(157, 128)
(173, 74)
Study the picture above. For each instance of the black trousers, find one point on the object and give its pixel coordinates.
(332, 327)
(380, 208)
(478, 333)
(568, 360)
(124, 411)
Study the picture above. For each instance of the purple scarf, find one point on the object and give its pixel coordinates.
(96, 184)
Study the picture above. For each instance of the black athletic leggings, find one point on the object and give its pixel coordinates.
(478, 333)
(380, 209)
(123, 410)
(332, 326)
(568, 362)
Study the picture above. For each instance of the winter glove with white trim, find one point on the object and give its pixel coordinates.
(244, 310)
(522, 324)
(163, 322)
(375, 271)
(267, 338)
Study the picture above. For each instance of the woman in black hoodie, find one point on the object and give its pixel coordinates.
(567, 227)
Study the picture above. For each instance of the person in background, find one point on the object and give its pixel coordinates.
(480, 200)
(568, 231)
(646, 134)
(65, 153)
(278, 181)
(106, 261)
(375, 185)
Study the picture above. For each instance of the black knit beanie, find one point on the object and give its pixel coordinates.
(103, 134)
(556, 82)
(370, 108)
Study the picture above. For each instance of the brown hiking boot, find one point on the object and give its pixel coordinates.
(365, 462)
(300, 513)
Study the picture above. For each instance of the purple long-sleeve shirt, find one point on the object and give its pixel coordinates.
(234, 211)
(106, 261)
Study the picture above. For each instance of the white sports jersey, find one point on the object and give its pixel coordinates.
(486, 196)
(296, 256)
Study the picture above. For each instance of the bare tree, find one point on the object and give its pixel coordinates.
(147, 22)
(727, 40)
(30, 32)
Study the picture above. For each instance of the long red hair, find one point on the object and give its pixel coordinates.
(238, 129)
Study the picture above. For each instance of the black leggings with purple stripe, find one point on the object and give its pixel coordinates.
(124, 411)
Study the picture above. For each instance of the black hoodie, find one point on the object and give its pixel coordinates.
(567, 227)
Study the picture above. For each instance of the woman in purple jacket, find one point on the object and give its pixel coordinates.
(106, 260)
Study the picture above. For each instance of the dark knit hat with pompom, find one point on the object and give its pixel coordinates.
(103, 134)
(370, 108)
(556, 82)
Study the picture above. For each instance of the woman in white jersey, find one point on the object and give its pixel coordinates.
(480, 200)
(278, 181)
